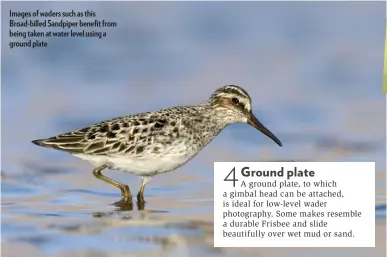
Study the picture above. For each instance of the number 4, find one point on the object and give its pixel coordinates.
(233, 177)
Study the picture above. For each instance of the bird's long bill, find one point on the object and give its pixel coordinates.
(253, 121)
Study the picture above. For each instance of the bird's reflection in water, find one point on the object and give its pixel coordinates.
(172, 233)
(177, 236)
(123, 205)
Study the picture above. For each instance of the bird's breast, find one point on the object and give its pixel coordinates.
(152, 164)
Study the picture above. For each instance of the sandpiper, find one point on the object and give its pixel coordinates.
(151, 143)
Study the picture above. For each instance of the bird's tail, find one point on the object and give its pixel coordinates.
(39, 142)
(72, 143)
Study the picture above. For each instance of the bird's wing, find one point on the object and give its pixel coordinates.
(130, 135)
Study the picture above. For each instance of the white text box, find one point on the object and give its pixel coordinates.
(294, 204)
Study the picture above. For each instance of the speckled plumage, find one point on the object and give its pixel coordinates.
(151, 143)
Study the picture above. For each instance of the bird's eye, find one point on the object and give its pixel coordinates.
(235, 100)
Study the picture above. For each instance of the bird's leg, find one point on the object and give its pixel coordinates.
(125, 191)
(140, 195)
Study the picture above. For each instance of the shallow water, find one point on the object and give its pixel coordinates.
(71, 214)
(315, 82)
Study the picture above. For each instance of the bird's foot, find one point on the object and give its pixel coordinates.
(140, 197)
(125, 204)
(140, 201)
